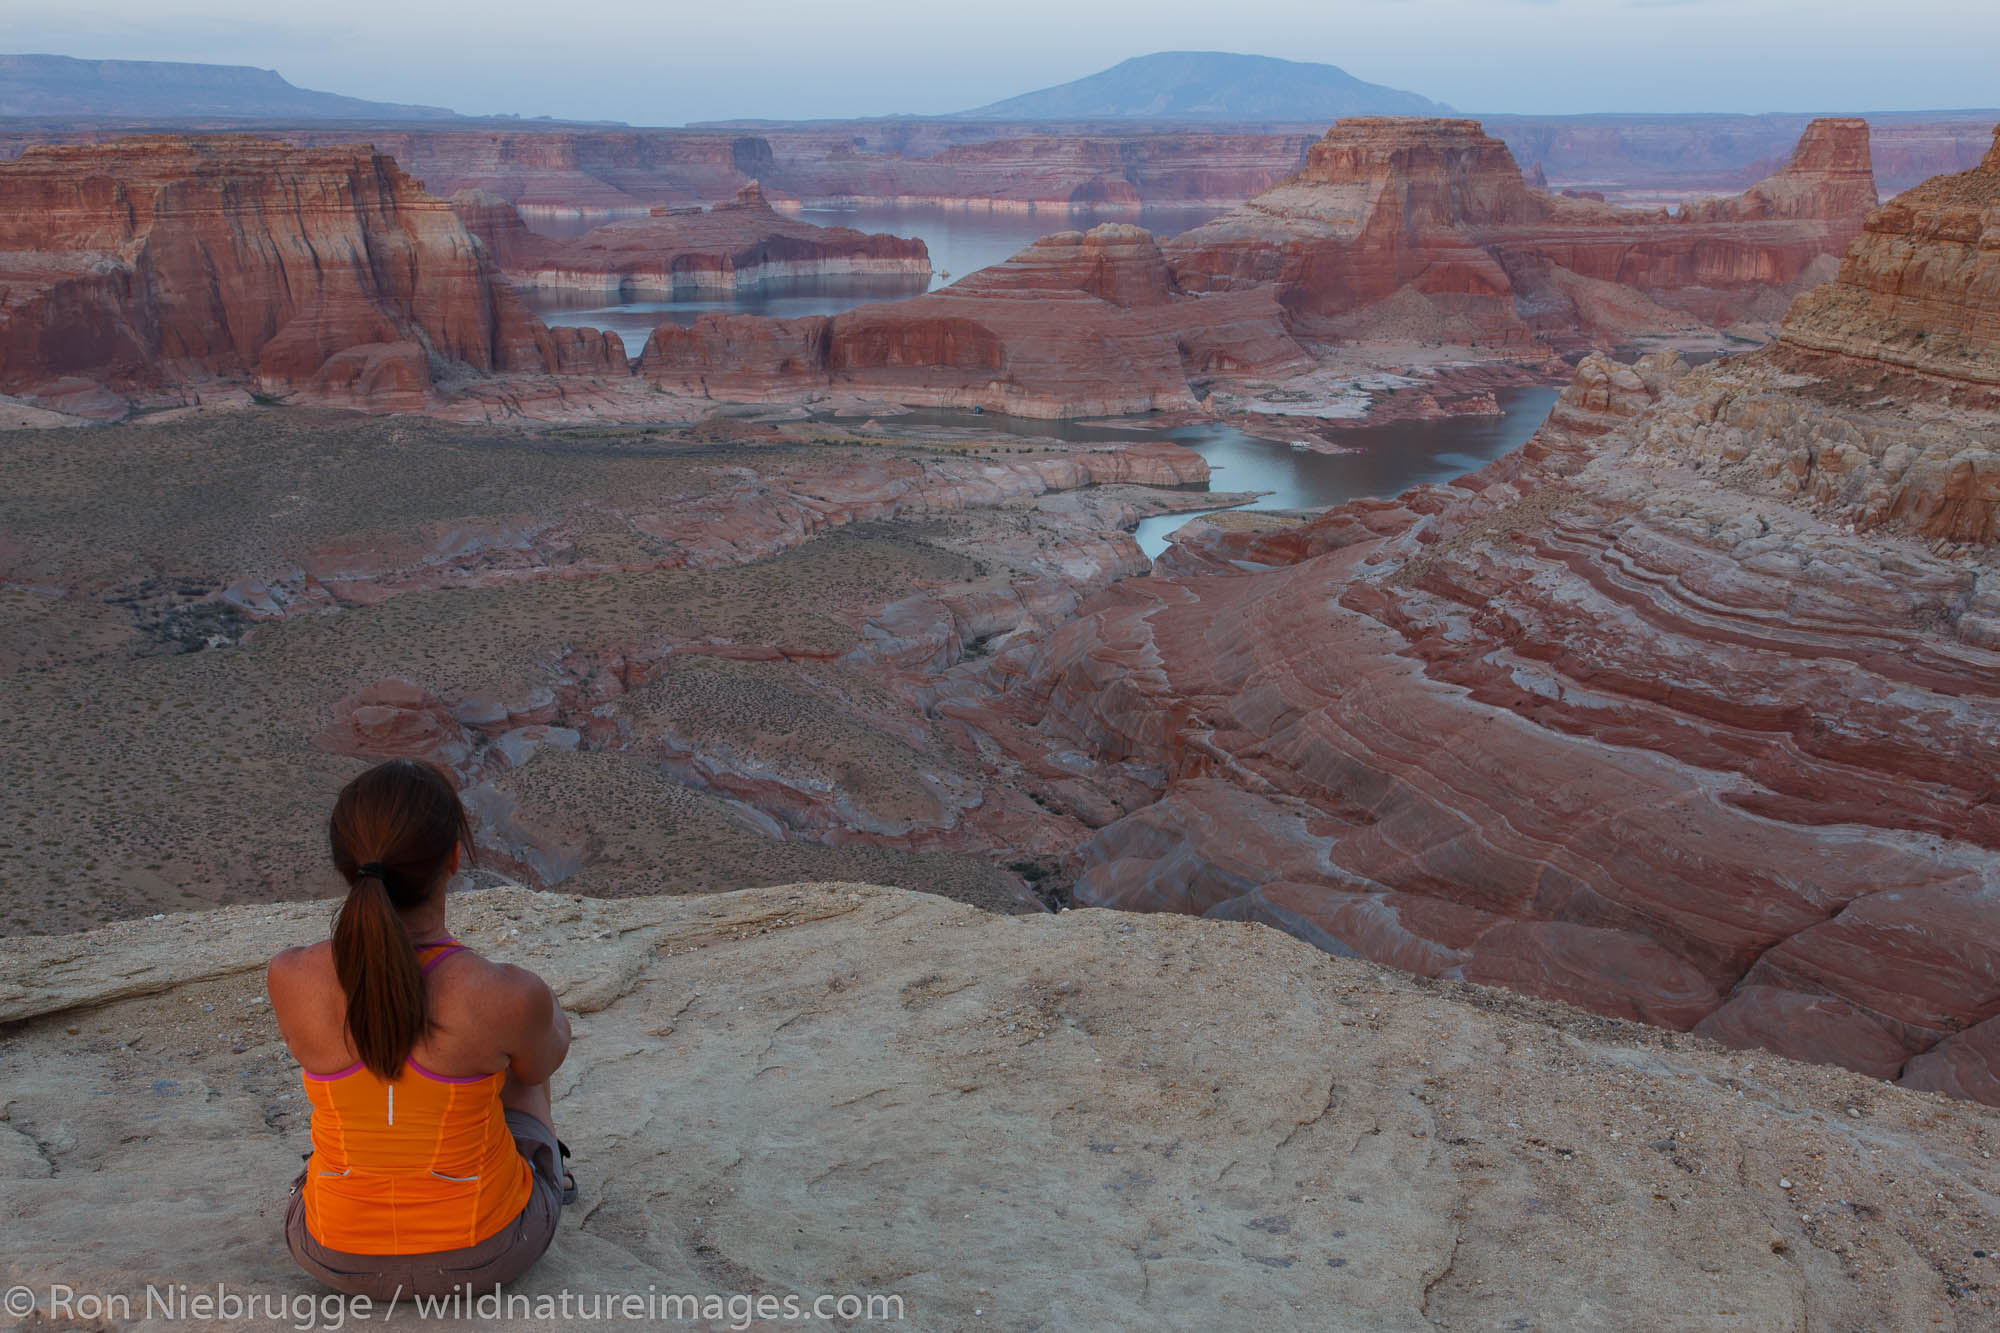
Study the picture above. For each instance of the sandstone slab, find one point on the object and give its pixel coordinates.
(834, 1088)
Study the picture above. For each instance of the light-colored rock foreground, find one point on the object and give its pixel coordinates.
(1086, 1121)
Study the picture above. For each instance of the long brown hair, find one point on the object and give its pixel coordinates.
(392, 831)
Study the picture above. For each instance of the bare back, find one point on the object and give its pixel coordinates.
(485, 1016)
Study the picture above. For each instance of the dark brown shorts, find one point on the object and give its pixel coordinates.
(501, 1257)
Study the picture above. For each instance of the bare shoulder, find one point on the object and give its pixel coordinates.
(301, 965)
(507, 1012)
(525, 991)
(503, 989)
(301, 985)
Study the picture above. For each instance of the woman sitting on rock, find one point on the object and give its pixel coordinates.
(434, 1162)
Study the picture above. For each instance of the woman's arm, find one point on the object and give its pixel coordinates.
(536, 1028)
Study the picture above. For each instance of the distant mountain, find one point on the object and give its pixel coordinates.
(41, 85)
(1211, 86)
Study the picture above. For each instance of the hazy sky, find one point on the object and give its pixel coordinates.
(665, 62)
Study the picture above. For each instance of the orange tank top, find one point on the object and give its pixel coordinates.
(417, 1165)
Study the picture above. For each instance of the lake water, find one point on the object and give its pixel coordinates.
(634, 321)
(961, 241)
(1386, 461)
(964, 240)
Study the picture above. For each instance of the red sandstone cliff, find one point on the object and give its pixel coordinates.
(742, 358)
(1729, 261)
(1830, 178)
(160, 260)
(564, 170)
(737, 244)
(1185, 167)
(1425, 228)
(1077, 324)
(497, 226)
(1919, 293)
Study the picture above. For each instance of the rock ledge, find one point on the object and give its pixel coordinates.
(1078, 1121)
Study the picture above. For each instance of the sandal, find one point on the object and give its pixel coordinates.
(568, 1176)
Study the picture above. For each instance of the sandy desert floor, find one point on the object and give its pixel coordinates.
(159, 747)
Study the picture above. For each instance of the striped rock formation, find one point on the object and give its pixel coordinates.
(743, 243)
(1684, 712)
(1918, 296)
(170, 259)
(1416, 227)
(1077, 324)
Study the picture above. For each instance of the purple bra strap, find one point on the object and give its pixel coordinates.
(450, 947)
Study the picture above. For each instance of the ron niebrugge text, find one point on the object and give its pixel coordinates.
(180, 1302)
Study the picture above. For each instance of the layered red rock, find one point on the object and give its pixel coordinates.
(1077, 324)
(1047, 170)
(159, 260)
(1383, 205)
(1425, 228)
(1070, 326)
(1721, 261)
(1660, 156)
(1919, 294)
(734, 245)
(744, 358)
(1065, 540)
(1683, 712)
(567, 171)
(1830, 177)
(572, 171)
(396, 719)
(1620, 739)
(497, 225)
(557, 172)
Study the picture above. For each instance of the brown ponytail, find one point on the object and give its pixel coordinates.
(392, 832)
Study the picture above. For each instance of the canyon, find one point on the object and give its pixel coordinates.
(679, 251)
(1569, 884)
(151, 263)
(150, 270)
(569, 171)
(1915, 306)
(1399, 234)
(1680, 713)
(691, 643)
(1078, 324)
(566, 171)
(1404, 226)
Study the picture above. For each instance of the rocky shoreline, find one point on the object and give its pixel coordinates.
(726, 278)
(735, 246)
